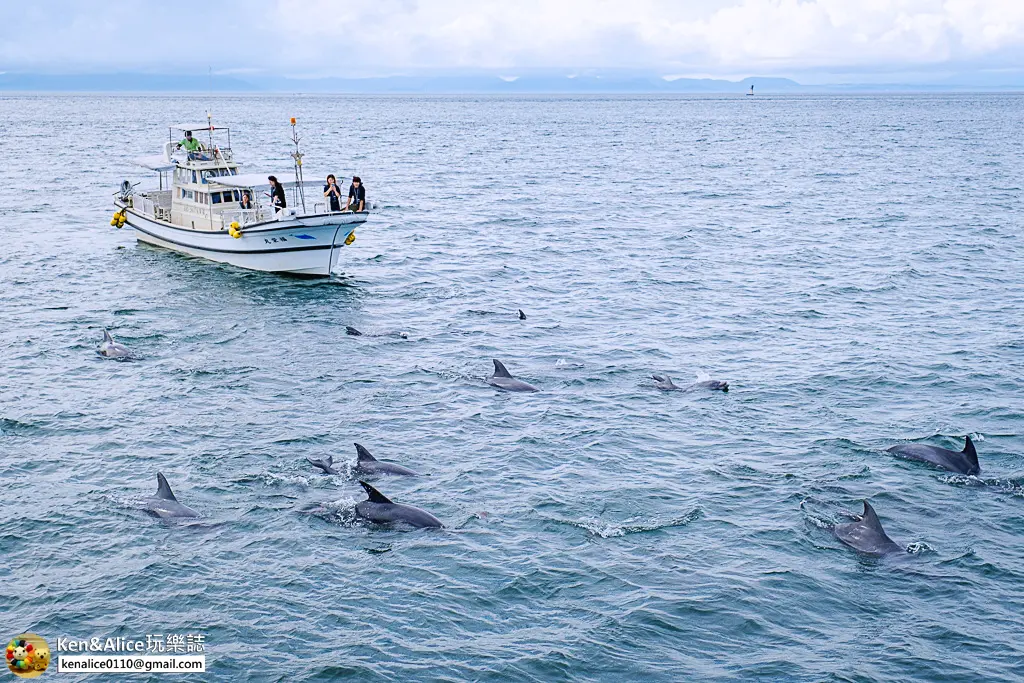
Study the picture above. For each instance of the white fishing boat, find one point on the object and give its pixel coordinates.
(196, 209)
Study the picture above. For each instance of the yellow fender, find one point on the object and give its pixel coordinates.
(234, 231)
(351, 238)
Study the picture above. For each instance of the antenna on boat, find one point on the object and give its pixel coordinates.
(297, 156)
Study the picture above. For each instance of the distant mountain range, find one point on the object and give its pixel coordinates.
(531, 83)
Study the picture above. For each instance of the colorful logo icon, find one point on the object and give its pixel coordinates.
(28, 655)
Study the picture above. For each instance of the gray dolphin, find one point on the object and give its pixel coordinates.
(378, 508)
(326, 464)
(349, 330)
(867, 535)
(111, 349)
(368, 464)
(713, 385)
(665, 383)
(504, 380)
(963, 462)
(164, 505)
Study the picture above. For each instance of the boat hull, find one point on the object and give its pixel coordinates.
(306, 245)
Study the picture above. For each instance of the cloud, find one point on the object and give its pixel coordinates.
(342, 38)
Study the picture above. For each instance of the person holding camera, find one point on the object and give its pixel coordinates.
(277, 199)
(333, 193)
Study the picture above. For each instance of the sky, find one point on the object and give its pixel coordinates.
(811, 40)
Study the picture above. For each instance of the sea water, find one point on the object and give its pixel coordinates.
(853, 266)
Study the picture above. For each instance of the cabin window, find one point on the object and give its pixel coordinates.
(216, 197)
(193, 176)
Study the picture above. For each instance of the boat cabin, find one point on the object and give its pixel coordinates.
(201, 187)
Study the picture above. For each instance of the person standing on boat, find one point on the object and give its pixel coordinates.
(246, 202)
(356, 196)
(333, 192)
(277, 199)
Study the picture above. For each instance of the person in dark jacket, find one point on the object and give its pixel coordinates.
(277, 199)
(333, 193)
(356, 196)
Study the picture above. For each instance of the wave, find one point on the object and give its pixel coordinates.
(603, 529)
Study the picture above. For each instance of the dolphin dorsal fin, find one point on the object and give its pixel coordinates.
(499, 370)
(107, 337)
(969, 452)
(364, 455)
(329, 460)
(374, 495)
(869, 517)
(163, 489)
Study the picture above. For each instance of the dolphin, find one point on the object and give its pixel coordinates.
(326, 464)
(368, 464)
(112, 349)
(713, 385)
(867, 535)
(353, 332)
(378, 508)
(503, 380)
(962, 462)
(164, 505)
(665, 383)
(522, 316)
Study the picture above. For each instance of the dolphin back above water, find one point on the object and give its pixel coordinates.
(379, 508)
(367, 464)
(665, 383)
(164, 505)
(326, 464)
(962, 462)
(712, 384)
(111, 349)
(867, 535)
(503, 379)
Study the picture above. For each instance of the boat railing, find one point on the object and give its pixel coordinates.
(215, 154)
(322, 207)
(248, 216)
(155, 203)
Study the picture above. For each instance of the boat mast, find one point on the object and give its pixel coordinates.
(297, 156)
(209, 129)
